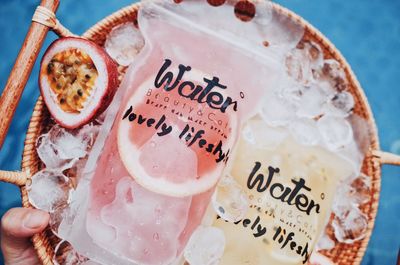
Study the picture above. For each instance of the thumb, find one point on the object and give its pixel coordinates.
(17, 226)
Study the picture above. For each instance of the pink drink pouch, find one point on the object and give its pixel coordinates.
(170, 131)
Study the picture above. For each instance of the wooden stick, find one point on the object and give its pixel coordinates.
(22, 69)
(387, 158)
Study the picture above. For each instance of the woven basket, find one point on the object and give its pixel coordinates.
(45, 242)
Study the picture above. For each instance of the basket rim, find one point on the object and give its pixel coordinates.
(30, 161)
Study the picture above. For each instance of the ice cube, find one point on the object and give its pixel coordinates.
(48, 190)
(229, 200)
(56, 218)
(312, 52)
(88, 133)
(298, 68)
(311, 104)
(303, 62)
(283, 31)
(69, 146)
(353, 192)
(305, 131)
(334, 73)
(262, 136)
(341, 104)
(61, 214)
(263, 13)
(326, 88)
(76, 171)
(342, 202)
(325, 243)
(276, 111)
(205, 247)
(123, 43)
(361, 189)
(350, 227)
(60, 149)
(48, 153)
(336, 132)
(291, 92)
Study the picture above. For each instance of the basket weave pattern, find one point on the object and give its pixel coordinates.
(342, 253)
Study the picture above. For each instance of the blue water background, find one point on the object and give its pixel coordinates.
(366, 32)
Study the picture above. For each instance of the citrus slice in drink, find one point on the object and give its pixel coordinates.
(171, 140)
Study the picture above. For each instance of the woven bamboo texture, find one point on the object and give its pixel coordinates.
(345, 254)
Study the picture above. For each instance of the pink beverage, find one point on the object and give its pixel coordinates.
(129, 197)
(157, 163)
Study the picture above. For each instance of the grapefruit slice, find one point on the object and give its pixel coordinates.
(171, 144)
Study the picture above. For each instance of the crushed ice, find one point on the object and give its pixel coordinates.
(123, 43)
(313, 101)
(48, 190)
(205, 247)
(351, 225)
(60, 149)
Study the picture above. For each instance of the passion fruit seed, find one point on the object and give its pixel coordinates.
(71, 74)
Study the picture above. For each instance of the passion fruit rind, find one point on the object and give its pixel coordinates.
(77, 80)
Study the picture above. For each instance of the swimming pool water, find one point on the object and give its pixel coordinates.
(366, 32)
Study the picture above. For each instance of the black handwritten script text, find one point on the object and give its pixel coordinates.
(188, 133)
(286, 239)
(281, 236)
(187, 89)
(255, 226)
(289, 195)
(294, 194)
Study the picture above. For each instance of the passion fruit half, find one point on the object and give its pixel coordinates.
(77, 81)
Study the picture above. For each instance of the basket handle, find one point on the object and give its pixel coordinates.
(22, 68)
(386, 158)
(18, 178)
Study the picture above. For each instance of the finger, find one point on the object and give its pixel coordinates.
(17, 226)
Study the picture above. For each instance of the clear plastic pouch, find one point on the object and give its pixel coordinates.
(169, 133)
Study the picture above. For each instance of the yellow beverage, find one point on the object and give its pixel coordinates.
(290, 188)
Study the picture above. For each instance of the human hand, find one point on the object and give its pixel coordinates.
(17, 226)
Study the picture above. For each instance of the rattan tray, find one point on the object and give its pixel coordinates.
(45, 242)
